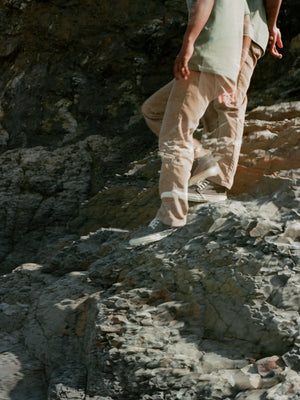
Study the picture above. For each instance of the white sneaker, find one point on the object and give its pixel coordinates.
(206, 166)
(154, 232)
(205, 191)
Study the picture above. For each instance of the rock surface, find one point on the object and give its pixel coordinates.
(70, 116)
(211, 312)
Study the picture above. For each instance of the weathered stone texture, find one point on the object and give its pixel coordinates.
(209, 313)
(192, 316)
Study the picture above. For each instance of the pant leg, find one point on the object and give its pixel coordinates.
(224, 123)
(186, 104)
(153, 110)
(154, 107)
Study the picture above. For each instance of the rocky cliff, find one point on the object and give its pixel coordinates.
(212, 312)
(73, 77)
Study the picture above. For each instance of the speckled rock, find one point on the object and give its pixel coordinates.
(210, 312)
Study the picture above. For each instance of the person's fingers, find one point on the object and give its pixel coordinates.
(279, 40)
(185, 70)
(271, 40)
(181, 70)
(274, 52)
(274, 41)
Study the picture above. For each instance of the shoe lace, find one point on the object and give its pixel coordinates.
(153, 224)
(201, 185)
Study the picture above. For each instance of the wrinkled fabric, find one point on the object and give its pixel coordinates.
(174, 111)
(224, 123)
(223, 131)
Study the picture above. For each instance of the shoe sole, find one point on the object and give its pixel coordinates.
(152, 238)
(208, 198)
(212, 171)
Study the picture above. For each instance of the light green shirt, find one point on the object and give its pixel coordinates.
(259, 23)
(219, 45)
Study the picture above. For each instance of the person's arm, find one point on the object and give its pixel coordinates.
(199, 14)
(272, 10)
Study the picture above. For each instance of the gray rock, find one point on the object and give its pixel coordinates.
(135, 321)
(212, 312)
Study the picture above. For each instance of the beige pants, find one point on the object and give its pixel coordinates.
(173, 113)
(224, 124)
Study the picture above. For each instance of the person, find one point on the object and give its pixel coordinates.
(215, 43)
(213, 172)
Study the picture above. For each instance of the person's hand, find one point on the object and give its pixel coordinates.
(274, 42)
(181, 69)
